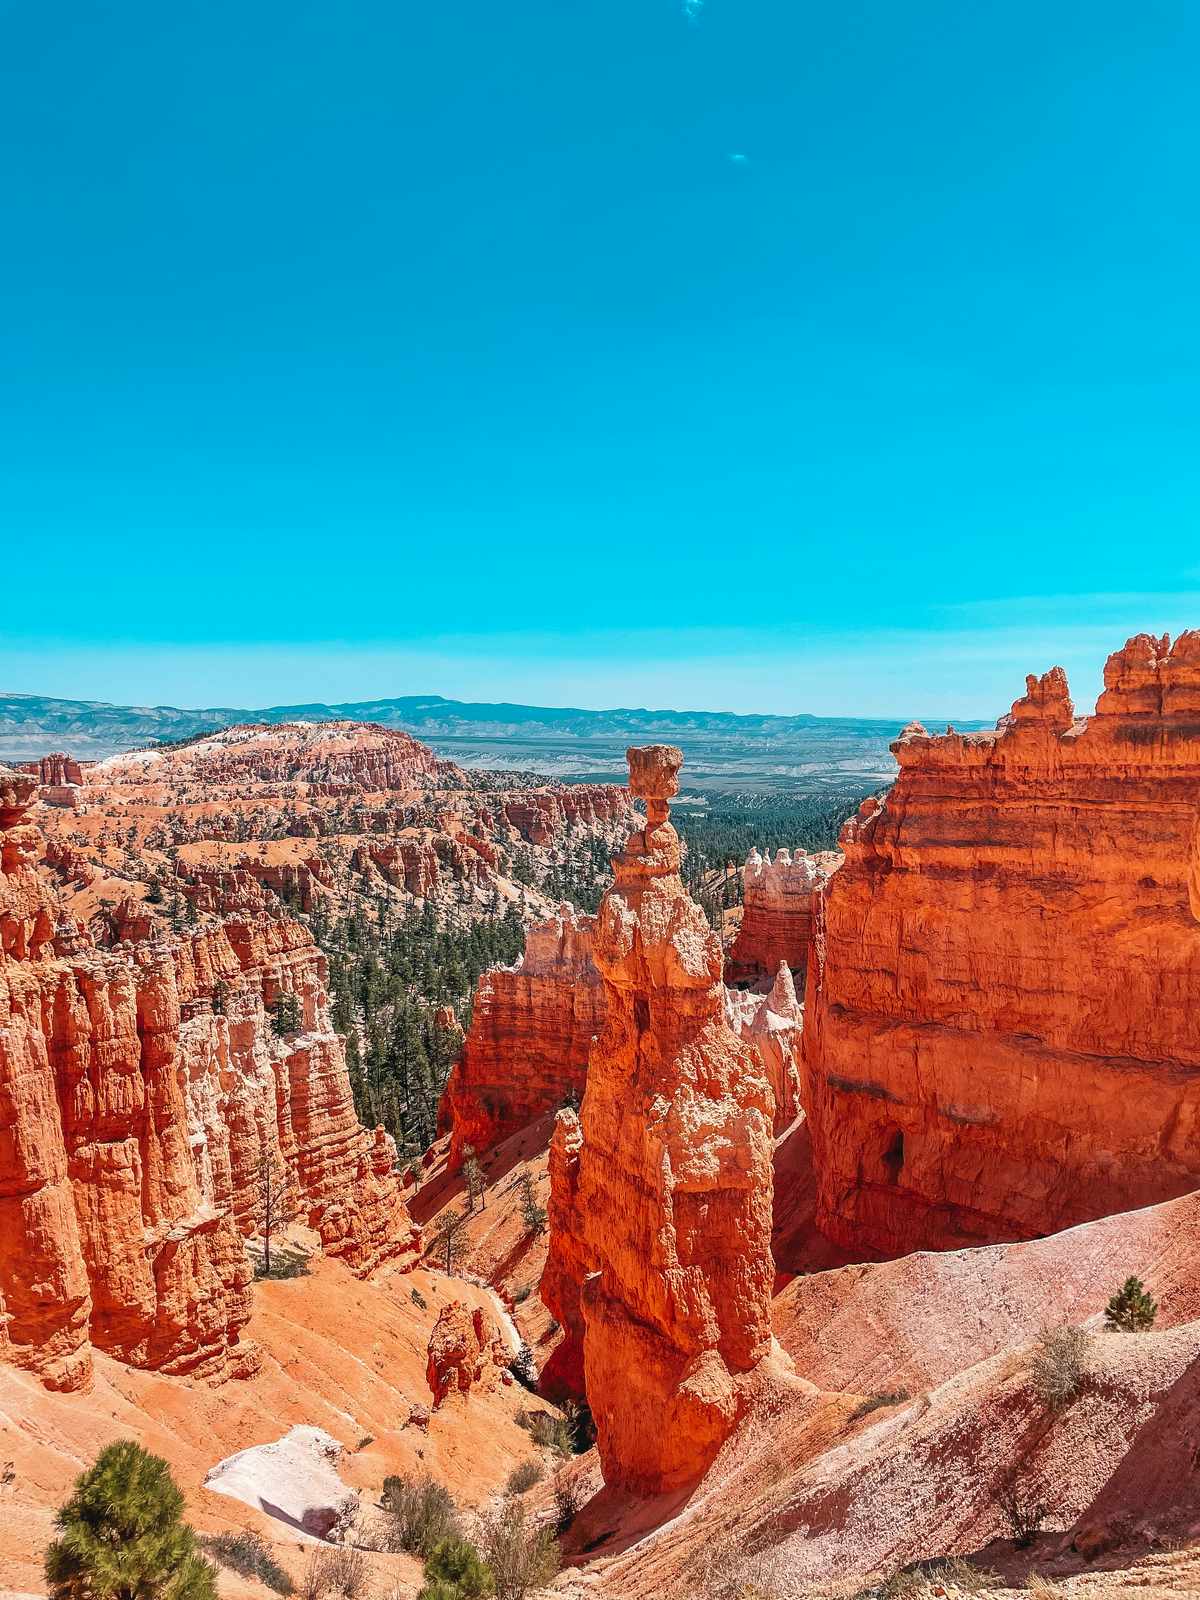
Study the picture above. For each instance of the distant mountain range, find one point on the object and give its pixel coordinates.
(566, 742)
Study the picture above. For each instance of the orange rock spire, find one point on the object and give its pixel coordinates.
(673, 1172)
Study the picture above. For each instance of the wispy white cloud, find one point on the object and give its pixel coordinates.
(738, 158)
(692, 9)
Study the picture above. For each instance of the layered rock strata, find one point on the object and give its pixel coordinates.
(771, 1025)
(141, 1091)
(673, 1181)
(532, 1026)
(1002, 1032)
(777, 914)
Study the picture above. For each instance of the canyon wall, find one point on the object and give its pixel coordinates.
(777, 914)
(141, 1088)
(532, 1027)
(670, 1169)
(1002, 1030)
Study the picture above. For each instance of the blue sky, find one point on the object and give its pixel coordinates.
(391, 348)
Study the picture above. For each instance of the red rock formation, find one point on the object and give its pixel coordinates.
(776, 925)
(422, 863)
(325, 758)
(138, 1091)
(105, 1237)
(1002, 1030)
(466, 1351)
(55, 770)
(567, 1263)
(531, 1029)
(771, 1024)
(674, 1173)
(544, 815)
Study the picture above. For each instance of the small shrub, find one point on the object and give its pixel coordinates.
(523, 1477)
(877, 1402)
(249, 1555)
(338, 1571)
(422, 1513)
(418, 1299)
(522, 1294)
(520, 1555)
(951, 1574)
(523, 1367)
(454, 1571)
(367, 1438)
(1131, 1310)
(566, 1505)
(550, 1432)
(533, 1214)
(122, 1532)
(1057, 1366)
(1024, 1516)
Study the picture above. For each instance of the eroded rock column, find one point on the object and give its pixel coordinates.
(674, 1172)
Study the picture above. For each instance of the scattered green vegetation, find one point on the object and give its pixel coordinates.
(454, 1570)
(122, 1535)
(878, 1401)
(421, 1512)
(249, 1555)
(1058, 1365)
(1131, 1309)
(533, 1213)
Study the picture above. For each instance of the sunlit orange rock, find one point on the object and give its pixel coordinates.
(674, 1172)
(777, 914)
(771, 1024)
(1002, 1032)
(532, 1027)
(141, 1089)
(466, 1351)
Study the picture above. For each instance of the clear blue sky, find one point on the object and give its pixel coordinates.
(779, 356)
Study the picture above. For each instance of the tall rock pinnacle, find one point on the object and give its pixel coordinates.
(674, 1174)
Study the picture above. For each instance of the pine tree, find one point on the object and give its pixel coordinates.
(1131, 1310)
(122, 1536)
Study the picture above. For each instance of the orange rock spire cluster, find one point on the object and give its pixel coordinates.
(671, 1174)
(135, 1110)
(777, 914)
(1002, 1032)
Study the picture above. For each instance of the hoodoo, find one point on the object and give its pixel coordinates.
(777, 914)
(672, 1173)
(1002, 1032)
(142, 1090)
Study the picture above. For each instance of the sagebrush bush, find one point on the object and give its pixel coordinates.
(520, 1555)
(523, 1477)
(337, 1570)
(1058, 1365)
(421, 1512)
(1024, 1515)
(249, 1555)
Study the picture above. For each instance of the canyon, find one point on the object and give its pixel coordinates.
(791, 1216)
